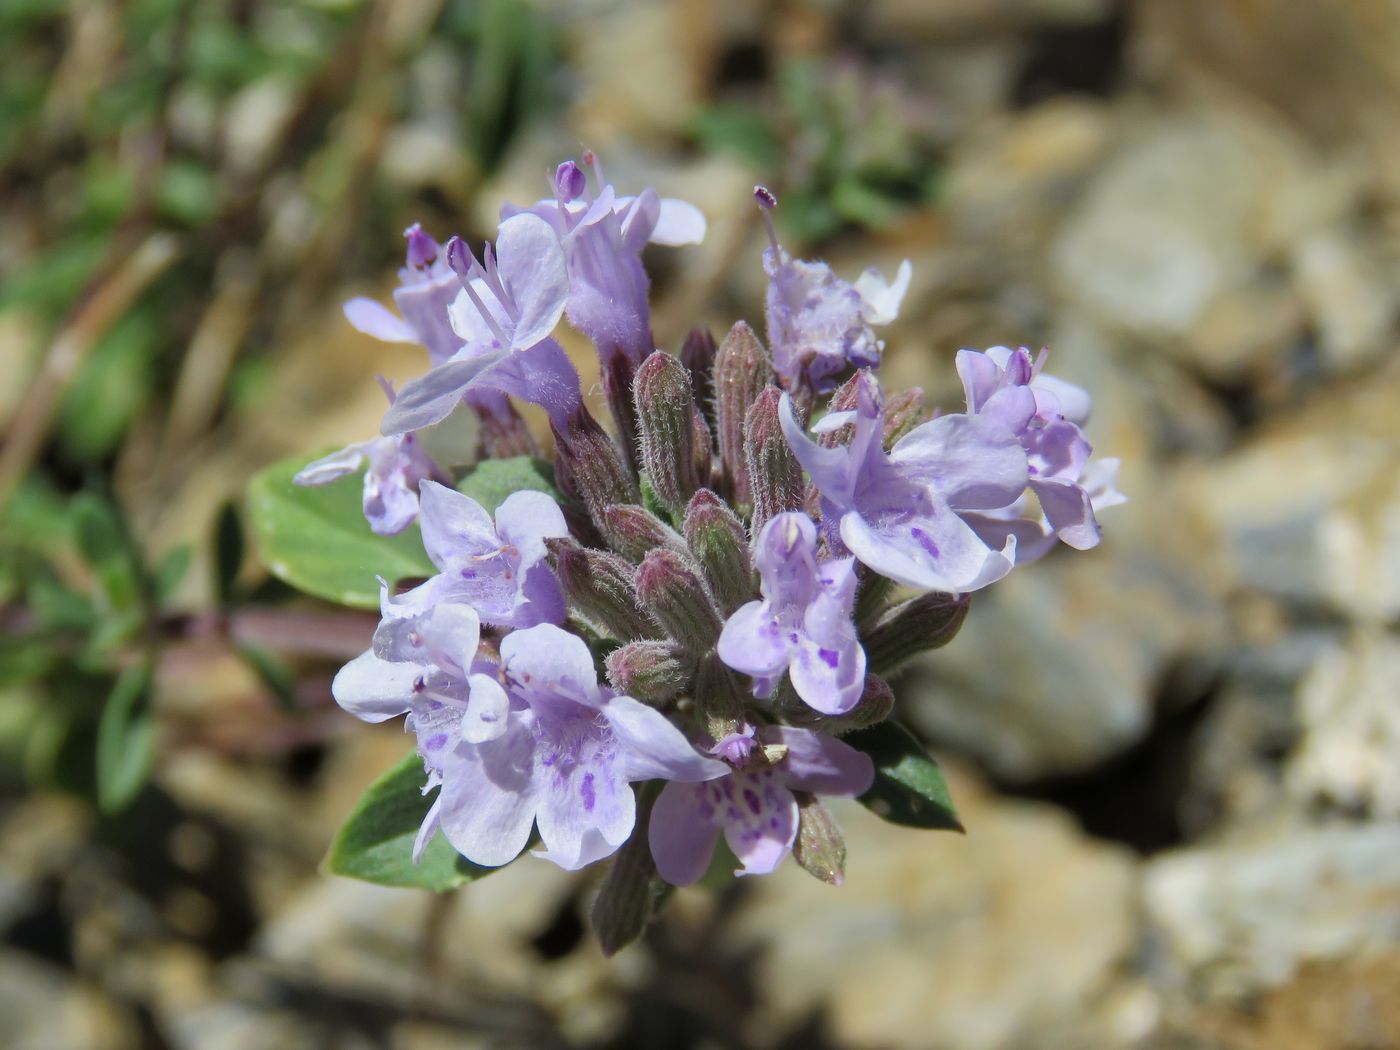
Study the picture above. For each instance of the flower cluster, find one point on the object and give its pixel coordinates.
(714, 598)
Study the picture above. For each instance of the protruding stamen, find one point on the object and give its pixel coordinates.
(422, 249)
(767, 201)
(570, 182)
(465, 266)
(1040, 360)
(591, 159)
(490, 273)
(388, 387)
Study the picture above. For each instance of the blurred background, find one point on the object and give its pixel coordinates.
(1178, 756)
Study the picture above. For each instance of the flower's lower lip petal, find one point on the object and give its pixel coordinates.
(489, 798)
(764, 832)
(585, 816)
(372, 689)
(431, 397)
(682, 837)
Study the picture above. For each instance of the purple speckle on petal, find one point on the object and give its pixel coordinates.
(586, 790)
(436, 742)
(925, 541)
(751, 798)
(830, 657)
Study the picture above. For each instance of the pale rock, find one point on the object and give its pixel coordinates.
(1351, 294)
(254, 120)
(945, 940)
(1237, 918)
(1349, 754)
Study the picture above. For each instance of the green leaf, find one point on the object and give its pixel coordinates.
(376, 843)
(909, 788)
(317, 539)
(126, 739)
(107, 548)
(492, 480)
(170, 570)
(228, 553)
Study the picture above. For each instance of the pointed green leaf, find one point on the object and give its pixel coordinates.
(317, 539)
(492, 480)
(376, 843)
(126, 739)
(909, 787)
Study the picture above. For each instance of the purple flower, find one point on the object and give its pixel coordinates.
(397, 467)
(501, 570)
(803, 624)
(1044, 414)
(602, 239)
(753, 805)
(565, 758)
(818, 324)
(902, 513)
(502, 313)
(427, 287)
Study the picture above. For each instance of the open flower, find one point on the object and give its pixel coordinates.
(397, 468)
(803, 623)
(564, 760)
(902, 512)
(818, 324)
(500, 569)
(427, 287)
(1045, 414)
(754, 805)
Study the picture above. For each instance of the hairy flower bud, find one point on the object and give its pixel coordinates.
(916, 626)
(698, 356)
(633, 531)
(719, 697)
(742, 370)
(600, 589)
(716, 538)
(652, 671)
(903, 412)
(591, 469)
(618, 371)
(875, 705)
(670, 591)
(775, 476)
(820, 847)
(632, 889)
(665, 407)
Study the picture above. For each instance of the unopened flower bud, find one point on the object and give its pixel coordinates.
(916, 626)
(569, 182)
(875, 705)
(618, 371)
(665, 407)
(903, 412)
(633, 530)
(820, 848)
(704, 446)
(651, 671)
(719, 697)
(716, 539)
(673, 594)
(742, 370)
(842, 400)
(632, 889)
(590, 467)
(601, 590)
(698, 356)
(775, 476)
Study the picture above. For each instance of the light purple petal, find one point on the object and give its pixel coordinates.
(683, 831)
(430, 827)
(488, 706)
(678, 224)
(474, 330)
(972, 462)
(489, 797)
(639, 219)
(1074, 402)
(374, 690)
(548, 662)
(652, 748)
(935, 551)
(431, 397)
(526, 519)
(377, 320)
(821, 764)
(760, 820)
(334, 466)
(828, 669)
(1070, 512)
(832, 469)
(585, 814)
(753, 642)
(882, 298)
(532, 267)
(456, 528)
(449, 634)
